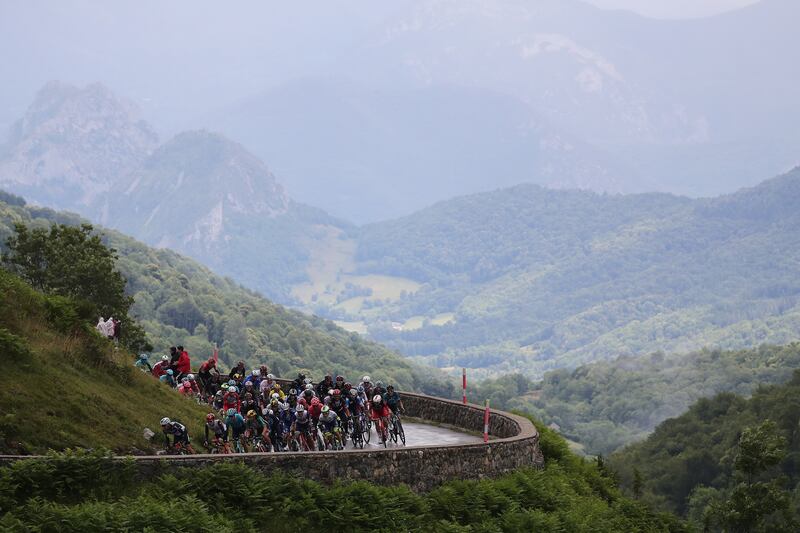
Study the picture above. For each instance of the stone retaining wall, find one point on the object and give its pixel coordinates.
(515, 444)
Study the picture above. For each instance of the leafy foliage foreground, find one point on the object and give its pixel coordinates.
(91, 491)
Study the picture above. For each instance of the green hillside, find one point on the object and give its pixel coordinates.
(729, 463)
(66, 493)
(608, 404)
(63, 386)
(178, 301)
(538, 279)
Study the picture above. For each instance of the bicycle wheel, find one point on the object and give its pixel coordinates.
(400, 432)
(320, 443)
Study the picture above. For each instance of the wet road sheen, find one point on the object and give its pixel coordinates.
(425, 435)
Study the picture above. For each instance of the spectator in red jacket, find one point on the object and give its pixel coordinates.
(184, 365)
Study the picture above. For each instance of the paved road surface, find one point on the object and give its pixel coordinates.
(426, 435)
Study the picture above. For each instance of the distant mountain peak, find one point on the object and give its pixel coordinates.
(73, 144)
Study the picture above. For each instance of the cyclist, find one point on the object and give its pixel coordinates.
(302, 426)
(142, 362)
(286, 421)
(231, 399)
(378, 389)
(160, 368)
(168, 378)
(339, 405)
(315, 409)
(235, 424)
(366, 382)
(331, 426)
(324, 386)
(392, 399)
(256, 425)
(379, 412)
(249, 387)
(339, 383)
(179, 434)
(299, 382)
(276, 389)
(249, 403)
(218, 403)
(291, 398)
(205, 374)
(254, 378)
(220, 430)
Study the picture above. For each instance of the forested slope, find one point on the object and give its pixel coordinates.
(608, 404)
(178, 301)
(729, 463)
(538, 279)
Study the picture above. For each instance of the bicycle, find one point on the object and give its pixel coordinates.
(382, 430)
(258, 445)
(180, 448)
(366, 425)
(218, 446)
(238, 445)
(356, 435)
(396, 429)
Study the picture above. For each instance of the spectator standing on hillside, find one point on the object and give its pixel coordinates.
(117, 330)
(184, 364)
(101, 327)
(110, 328)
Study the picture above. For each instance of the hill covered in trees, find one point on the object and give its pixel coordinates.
(608, 404)
(178, 301)
(728, 463)
(534, 279)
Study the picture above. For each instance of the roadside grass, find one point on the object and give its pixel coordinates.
(61, 390)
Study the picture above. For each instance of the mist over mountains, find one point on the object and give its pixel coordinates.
(373, 111)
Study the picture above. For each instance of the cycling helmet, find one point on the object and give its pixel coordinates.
(233, 389)
(210, 417)
(325, 409)
(314, 401)
(169, 371)
(377, 399)
(191, 377)
(366, 379)
(353, 393)
(270, 376)
(328, 376)
(225, 386)
(248, 383)
(348, 385)
(339, 378)
(165, 421)
(277, 386)
(231, 382)
(269, 412)
(143, 356)
(337, 392)
(361, 388)
(300, 408)
(275, 396)
(379, 384)
(256, 372)
(389, 387)
(251, 414)
(284, 406)
(292, 392)
(165, 358)
(310, 387)
(330, 392)
(237, 377)
(220, 393)
(307, 381)
(184, 380)
(231, 412)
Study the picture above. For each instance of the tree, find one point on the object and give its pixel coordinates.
(72, 261)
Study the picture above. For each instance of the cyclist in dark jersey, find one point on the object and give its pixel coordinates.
(178, 431)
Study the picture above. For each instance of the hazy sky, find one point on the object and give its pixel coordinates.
(674, 8)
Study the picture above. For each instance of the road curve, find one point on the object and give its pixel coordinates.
(418, 434)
